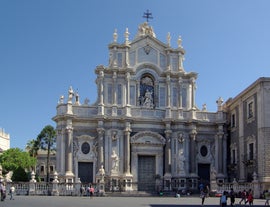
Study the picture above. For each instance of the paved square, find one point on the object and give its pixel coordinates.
(62, 201)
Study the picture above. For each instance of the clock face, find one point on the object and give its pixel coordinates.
(85, 148)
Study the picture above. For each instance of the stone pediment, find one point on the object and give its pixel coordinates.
(148, 138)
(85, 137)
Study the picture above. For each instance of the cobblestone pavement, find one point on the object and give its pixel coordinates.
(61, 201)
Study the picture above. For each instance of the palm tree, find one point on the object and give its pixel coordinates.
(47, 141)
(32, 147)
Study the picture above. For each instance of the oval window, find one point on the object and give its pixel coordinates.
(204, 151)
(85, 148)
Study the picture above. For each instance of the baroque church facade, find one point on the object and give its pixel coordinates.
(144, 129)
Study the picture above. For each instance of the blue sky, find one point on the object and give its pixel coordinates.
(48, 45)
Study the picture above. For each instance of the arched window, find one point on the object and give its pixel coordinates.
(147, 91)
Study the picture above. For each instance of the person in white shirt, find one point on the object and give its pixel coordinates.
(11, 192)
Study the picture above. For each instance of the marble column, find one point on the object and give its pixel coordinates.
(220, 153)
(127, 149)
(180, 98)
(101, 93)
(60, 150)
(69, 160)
(168, 86)
(114, 87)
(127, 94)
(138, 92)
(193, 88)
(100, 147)
(193, 152)
(180, 82)
(128, 88)
(168, 134)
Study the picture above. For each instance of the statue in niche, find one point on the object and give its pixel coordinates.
(148, 99)
(115, 161)
(181, 161)
(147, 92)
(114, 136)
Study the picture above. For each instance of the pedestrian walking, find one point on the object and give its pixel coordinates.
(92, 190)
(250, 198)
(267, 197)
(232, 197)
(223, 199)
(88, 191)
(11, 192)
(3, 191)
(203, 195)
(243, 197)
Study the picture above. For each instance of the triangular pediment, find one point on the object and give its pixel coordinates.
(148, 41)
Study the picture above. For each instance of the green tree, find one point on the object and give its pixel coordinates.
(47, 141)
(20, 175)
(15, 158)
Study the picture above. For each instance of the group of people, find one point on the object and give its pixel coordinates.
(4, 193)
(246, 197)
(89, 191)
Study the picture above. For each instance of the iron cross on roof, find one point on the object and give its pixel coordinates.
(147, 15)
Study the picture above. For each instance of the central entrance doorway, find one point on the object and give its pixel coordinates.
(204, 173)
(146, 173)
(85, 172)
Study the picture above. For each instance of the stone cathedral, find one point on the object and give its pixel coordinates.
(144, 129)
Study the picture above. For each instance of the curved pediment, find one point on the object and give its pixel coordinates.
(148, 68)
(85, 137)
(147, 137)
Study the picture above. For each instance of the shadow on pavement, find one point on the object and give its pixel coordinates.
(192, 205)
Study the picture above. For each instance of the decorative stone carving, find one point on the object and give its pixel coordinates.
(148, 99)
(213, 173)
(61, 99)
(115, 36)
(101, 173)
(147, 137)
(114, 136)
(169, 39)
(145, 29)
(182, 159)
(70, 94)
(115, 161)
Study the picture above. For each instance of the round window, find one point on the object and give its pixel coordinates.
(85, 148)
(204, 151)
